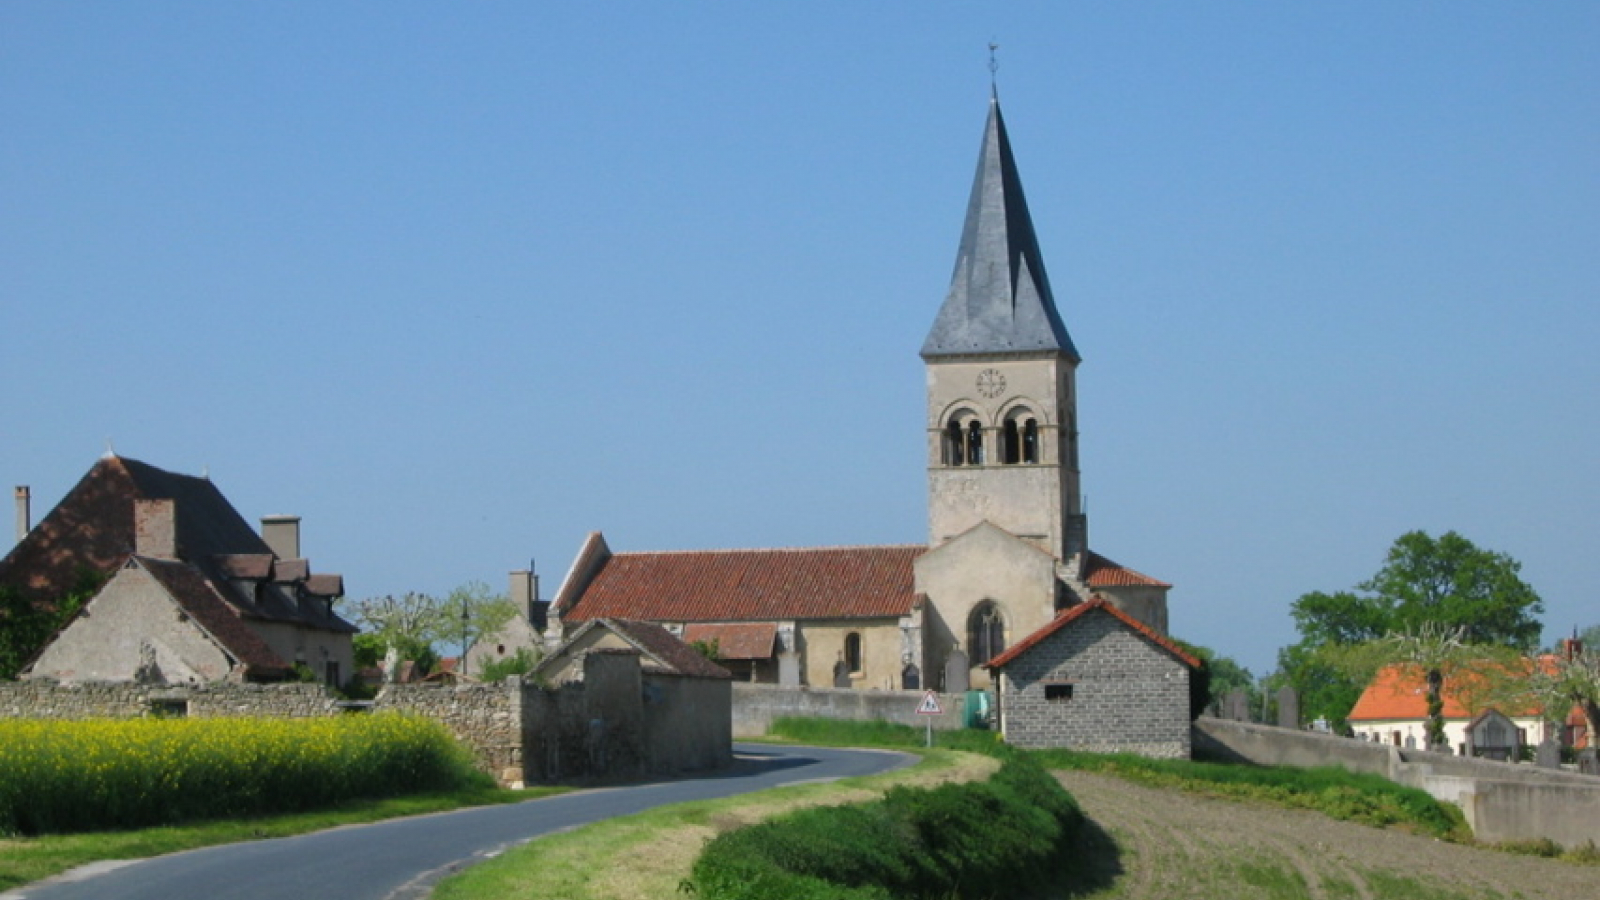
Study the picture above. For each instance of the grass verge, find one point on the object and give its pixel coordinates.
(1339, 794)
(651, 854)
(25, 860)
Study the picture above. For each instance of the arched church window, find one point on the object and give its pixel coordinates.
(852, 653)
(955, 444)
(974, 443)
(986, 632)
(1010, 443)
(1019, 439)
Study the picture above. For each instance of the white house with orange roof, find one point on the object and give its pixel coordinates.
(1393, 709)
(1007, 546)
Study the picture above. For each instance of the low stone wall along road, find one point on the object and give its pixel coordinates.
(402, 858)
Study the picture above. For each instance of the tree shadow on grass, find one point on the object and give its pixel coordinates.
(1092, 863)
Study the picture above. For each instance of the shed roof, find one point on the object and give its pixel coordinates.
(1077, 613)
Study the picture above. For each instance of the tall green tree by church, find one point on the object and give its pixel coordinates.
(1444, 583)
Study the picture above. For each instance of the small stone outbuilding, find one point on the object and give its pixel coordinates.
(1096, 679)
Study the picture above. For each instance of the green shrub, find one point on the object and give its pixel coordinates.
(60, 776)
(997, 838)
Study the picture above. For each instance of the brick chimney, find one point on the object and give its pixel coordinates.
(524, 591)
(155, 528)
(282, 534)
(24, 513)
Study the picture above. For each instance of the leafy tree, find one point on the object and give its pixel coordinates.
(1219, 677)
(25, 625)
(485, 614)
(410, 625)
(1444, 584)
(519, 663)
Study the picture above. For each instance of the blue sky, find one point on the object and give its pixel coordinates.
(460, 283)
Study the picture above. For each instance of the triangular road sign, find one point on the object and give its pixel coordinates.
(930, 705)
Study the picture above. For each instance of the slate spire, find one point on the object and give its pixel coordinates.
(999, 300)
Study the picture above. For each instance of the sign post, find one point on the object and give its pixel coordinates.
(930, 707)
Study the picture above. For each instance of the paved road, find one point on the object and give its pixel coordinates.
(401, 858)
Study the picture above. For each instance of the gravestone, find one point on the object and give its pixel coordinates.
(1288, 708)
(1236, 706)
(1548, 755)
(910, 678)
(957, 672)
(841, 674)
(789, 668)
(1411, 742)
(1588, 762)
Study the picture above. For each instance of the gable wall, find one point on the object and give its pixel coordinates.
(1128, 695)
(103, 643)
(983, 564)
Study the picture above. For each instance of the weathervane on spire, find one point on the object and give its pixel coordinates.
(994, 64)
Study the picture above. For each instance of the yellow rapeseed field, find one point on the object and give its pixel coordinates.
(60, 776)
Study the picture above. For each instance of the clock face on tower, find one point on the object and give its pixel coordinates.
(991, 383)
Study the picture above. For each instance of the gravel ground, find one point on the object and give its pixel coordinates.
(1176, 845)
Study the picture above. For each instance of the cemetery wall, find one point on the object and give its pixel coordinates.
(756, 705)
(1501, 801)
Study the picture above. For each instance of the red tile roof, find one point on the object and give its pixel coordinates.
(1102, 572)
(747, 585)
(92, 529)
(1074, 613)
(199, 598)
(1400, 693)
(736, 640)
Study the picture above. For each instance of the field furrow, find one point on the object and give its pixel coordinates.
(1178, 846)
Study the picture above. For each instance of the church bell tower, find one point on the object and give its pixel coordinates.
(1002, 409)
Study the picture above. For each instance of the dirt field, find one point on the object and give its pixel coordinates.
(1175, 846)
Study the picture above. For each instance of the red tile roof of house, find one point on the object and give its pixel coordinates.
(736, 640)
(746, 585)
(199, 598)
(1072, 614)
(92, 530)
(1400, 693)
(1102, 572)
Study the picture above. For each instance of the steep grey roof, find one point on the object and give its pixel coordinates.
(999, 300)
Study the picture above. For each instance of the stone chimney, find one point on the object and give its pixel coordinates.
(155, 528)
(524, 591)
(24, 512)
(282, 534)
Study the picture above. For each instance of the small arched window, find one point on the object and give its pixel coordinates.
(974, 443)
(955, 445)
(986, 632)
(852, 653)
(1019, 439)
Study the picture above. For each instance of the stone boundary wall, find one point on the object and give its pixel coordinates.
(1501, 801)
(756, 705)
(624, 725)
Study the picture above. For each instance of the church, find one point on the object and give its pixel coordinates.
(1007, 563)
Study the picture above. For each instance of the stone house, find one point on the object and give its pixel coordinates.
(1008, 543)
(1096, 679)
(188, 592)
